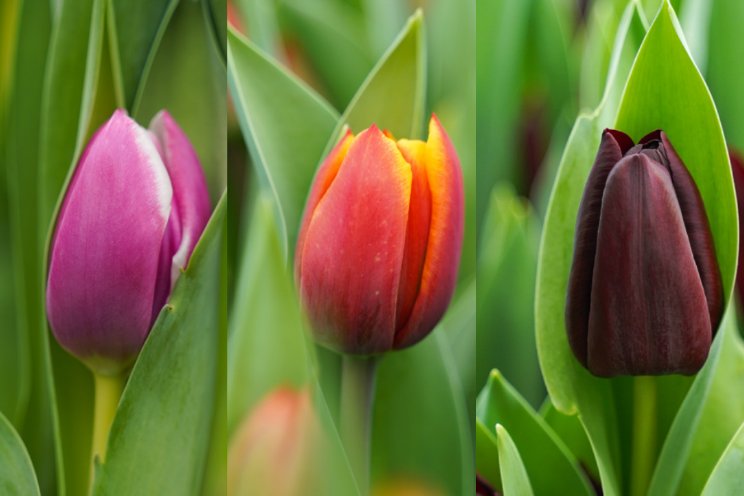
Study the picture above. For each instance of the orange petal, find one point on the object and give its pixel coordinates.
(417, 235)
(323, 178)
(353, 248)
(439, 274)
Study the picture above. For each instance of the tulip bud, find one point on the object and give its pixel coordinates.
(644, 293)
(380, 240)
(135, 207)
(274, 451)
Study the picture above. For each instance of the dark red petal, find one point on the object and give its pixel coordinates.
(737, 168)
(698, 230)
(580, 278)
(648, 308)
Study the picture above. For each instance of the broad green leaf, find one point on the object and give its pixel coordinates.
(262, 26)
(160, 434)
(66, 107)
(678, 443)
(266, 347)
(286, 140)
(383, 19)
(727, 476)
(572, 389)
(332, 36)
(722, 413)
(29, 383)
(546, 458)
(135, 29)
(507, 266)
(513, 474)
(17, 476)
(187, 53)
(664, 75)
(411, 385)
(399, 80)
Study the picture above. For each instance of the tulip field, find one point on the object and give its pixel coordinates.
(371, 248)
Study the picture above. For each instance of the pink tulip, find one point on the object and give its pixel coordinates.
(132, 214)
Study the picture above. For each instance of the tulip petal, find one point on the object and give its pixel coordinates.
(439, 274)
(104, 262)
(191, 205)
(737, 168)
(358, 225)
(698, 230)
(646, 279)
(614, 144)
(417, 234)
(323, 178)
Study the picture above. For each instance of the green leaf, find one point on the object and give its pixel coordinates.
(399, 80)
(572, 389)
(186, 53)
(678, 443)
(422, 379)
(547, 460)
(727, 476)
(332, 36)
(267, 346)
(507, 266)
(286, 141)
(513, 474)
(135, 29)
(160, 434)
(664, 75)
(17, 476)
(459, 325)
(216, 13)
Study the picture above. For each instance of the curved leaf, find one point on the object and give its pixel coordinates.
(162, 425)
(513, 474)
(17, 476)
(547, 460)
(286, 141)
(727, 476)
(135, 28)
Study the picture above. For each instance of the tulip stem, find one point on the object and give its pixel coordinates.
(108, 390)
(357, 400)
(644, 433)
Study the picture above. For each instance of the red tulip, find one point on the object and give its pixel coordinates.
(380, 240)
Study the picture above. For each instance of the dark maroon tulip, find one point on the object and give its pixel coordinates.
(644, 293)
(737, 168)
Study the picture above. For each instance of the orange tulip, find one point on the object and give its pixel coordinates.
(380, 240)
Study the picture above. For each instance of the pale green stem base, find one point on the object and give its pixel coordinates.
(108, 390)
(644, 434)
(357, 399)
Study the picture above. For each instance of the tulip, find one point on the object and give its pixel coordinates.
(644, 292)
(380, 240)
(134, 209)
(275, 450)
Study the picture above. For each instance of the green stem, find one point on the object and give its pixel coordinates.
(644, 433)
(107, 393)
(357, 399)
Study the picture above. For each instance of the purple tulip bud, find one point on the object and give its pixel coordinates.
(644, 293)
(132, 214)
